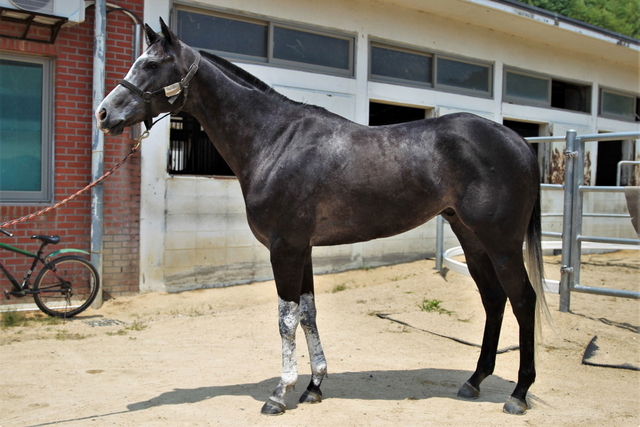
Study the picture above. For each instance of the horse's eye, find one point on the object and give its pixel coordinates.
(152, 65)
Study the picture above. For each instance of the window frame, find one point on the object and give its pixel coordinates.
(614, 116)
(45, 194)
(434, 56)
(270, 25)
(461, 90)
(396, 80)
(525, 101)
(349, 72)
(551, 79)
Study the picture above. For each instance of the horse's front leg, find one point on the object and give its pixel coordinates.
(289, 318)
(318, 362)
(308, 322)
(288, 266)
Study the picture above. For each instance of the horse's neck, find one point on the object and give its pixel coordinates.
(239, 120)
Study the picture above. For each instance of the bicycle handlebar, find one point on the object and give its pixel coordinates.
(6, 232)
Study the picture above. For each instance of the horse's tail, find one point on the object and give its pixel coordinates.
(535, 264)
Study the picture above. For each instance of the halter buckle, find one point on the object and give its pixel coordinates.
(172, 90)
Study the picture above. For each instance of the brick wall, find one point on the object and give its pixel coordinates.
(72, 56)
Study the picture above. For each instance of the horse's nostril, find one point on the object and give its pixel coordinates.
(102, 114)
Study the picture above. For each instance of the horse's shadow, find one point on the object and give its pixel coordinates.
(416, 384)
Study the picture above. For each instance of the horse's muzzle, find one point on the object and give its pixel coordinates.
(108, 126)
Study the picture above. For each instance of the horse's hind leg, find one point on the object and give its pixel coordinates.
(515, 281)
(508, 261)
(308, 322)
(493, 299)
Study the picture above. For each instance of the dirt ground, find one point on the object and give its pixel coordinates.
(212, 357)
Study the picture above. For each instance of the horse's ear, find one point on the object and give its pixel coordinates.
(152, 36)
(169, 37)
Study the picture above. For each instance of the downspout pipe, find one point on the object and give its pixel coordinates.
(97, 143)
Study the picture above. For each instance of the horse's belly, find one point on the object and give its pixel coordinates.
(350, 227)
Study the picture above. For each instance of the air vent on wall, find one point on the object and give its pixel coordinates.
(38, 20)
(72, 10)
(40, 6)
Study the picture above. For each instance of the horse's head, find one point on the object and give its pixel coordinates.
(155, 81)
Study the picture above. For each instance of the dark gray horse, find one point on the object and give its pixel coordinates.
(312, 178)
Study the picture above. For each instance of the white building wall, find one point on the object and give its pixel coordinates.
(193, 229)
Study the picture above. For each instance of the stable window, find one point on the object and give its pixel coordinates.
(25, 129)
(406, 66)
(463, 75)
(619, 105)
(401, 66)
(190, 150)
(264, 41)
(240, 38)
(314, 49)
(544, 91)
(527, 89)
(386, 114)
(570, 96)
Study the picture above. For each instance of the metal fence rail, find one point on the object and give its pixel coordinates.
(572, 216)
(572, 237)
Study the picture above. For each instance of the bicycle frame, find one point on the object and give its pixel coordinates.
(37, 257)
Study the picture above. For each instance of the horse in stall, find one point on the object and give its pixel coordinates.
(313, 178)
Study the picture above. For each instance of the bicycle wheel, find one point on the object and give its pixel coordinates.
(66, 286)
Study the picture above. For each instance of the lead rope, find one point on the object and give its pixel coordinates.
(93, 184)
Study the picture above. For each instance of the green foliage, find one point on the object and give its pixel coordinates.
(621, 16)
(430, 305)
(339, 288)
(11, 318)
(137, 326)
(63, 335)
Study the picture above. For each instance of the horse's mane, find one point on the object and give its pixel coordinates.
(244, 78)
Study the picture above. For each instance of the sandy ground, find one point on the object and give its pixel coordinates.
(212, 357)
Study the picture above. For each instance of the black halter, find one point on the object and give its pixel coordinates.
(172, 92)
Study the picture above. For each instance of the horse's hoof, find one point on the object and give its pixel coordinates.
(468, 391)
(273, 408)
(311, 397)
(515, 406)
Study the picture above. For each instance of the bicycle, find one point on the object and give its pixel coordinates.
(65, 286)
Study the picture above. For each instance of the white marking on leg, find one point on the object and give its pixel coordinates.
(289, 318)
(308, 320)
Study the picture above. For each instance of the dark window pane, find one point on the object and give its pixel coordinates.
(524, 129)
(222, 34)
(310, 48)
(400, 65)
(570, 96)
(385, 114)
(617, 104)
(527, 87)
(609, 154)
(20, 126)
(190, 150)
(463, 75)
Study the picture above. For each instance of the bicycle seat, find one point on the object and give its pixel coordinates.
(51, 240)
